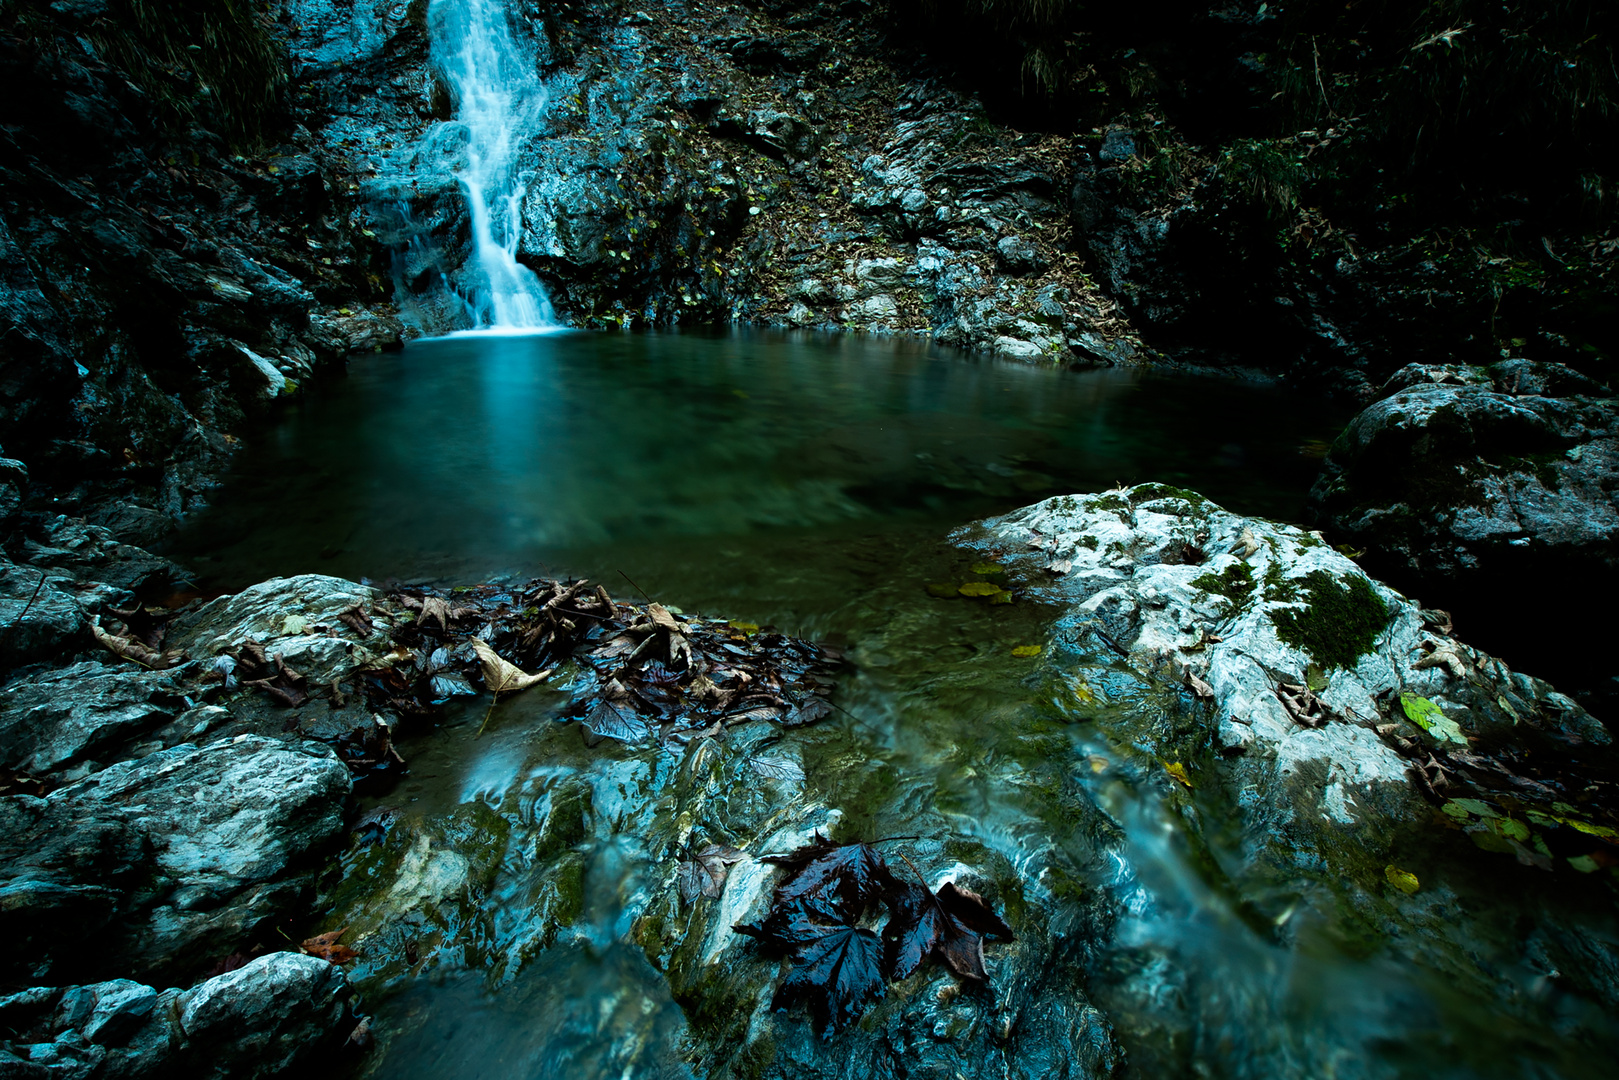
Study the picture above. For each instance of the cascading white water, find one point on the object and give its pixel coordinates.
(499, 96)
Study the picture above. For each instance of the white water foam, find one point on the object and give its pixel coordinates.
(499, 96)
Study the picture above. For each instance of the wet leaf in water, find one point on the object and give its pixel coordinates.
(978, 588)
(917, 924)
(1026, 650)
(835, 975)
(785, 927)
(778, 769)
(610, 721)
(1178, 772)
(950, 924)
(327, 948)
(1428, 716)
(1001, 598)
(1403, 880)
(745, 627)
(943, 592)
(814, 709)
(1584, 864)
(833, 881)
(702, 873)
(988, 568)
(500, 675)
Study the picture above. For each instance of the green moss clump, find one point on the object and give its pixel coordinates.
(1110, 501)
(1340, 621)
(1087, 541)
(1236, 584)
(1147, 492)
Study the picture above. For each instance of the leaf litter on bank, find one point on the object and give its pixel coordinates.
(839, 965)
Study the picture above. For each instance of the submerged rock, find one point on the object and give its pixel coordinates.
(154, 866)
(259, 1020)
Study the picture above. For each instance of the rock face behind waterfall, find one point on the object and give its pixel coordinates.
(161, 281)
(777, 166)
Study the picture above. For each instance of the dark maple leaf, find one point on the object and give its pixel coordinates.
(703, 873)
(836, 975)
(784, 928)
(834, 881)
(917, 924)
(973, 912)
(950, 924)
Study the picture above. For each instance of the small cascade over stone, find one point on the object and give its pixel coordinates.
(499, 97)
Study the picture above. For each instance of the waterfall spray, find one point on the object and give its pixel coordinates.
(498, 97)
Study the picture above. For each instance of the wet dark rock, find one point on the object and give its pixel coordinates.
(93, 553)
(270, 1015)
(1465, 483)
(142, 254)
(1297, 757)
(149, 867)
(40, 617)
(75, 717)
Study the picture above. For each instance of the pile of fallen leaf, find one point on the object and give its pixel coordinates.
(818, 917)
(1540, 793)
(643, 673)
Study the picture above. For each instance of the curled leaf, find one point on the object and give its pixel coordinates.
(500, 675)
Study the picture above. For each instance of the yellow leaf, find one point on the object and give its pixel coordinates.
(745, 627)
(500, 675)
(1026, 650)
(979, 588)
(1178, 771)
(1082, 690)
(1403, 880)
(988, 568)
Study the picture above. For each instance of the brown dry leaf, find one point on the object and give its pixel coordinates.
(663, 620)
(1246, 544)
(1199, 687)
(502, 676)
(327, 948)
(130, 649)
(434, 607)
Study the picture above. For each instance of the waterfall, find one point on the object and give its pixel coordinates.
(498, 97)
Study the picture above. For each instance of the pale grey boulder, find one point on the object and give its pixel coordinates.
(298, 618)
(1236, 615)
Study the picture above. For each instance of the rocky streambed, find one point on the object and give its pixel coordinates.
(1202, 742)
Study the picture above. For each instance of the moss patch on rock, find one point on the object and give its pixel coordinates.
(1235, 583)
(1340, 620)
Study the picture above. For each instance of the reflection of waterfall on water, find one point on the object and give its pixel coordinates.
(498, 98)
